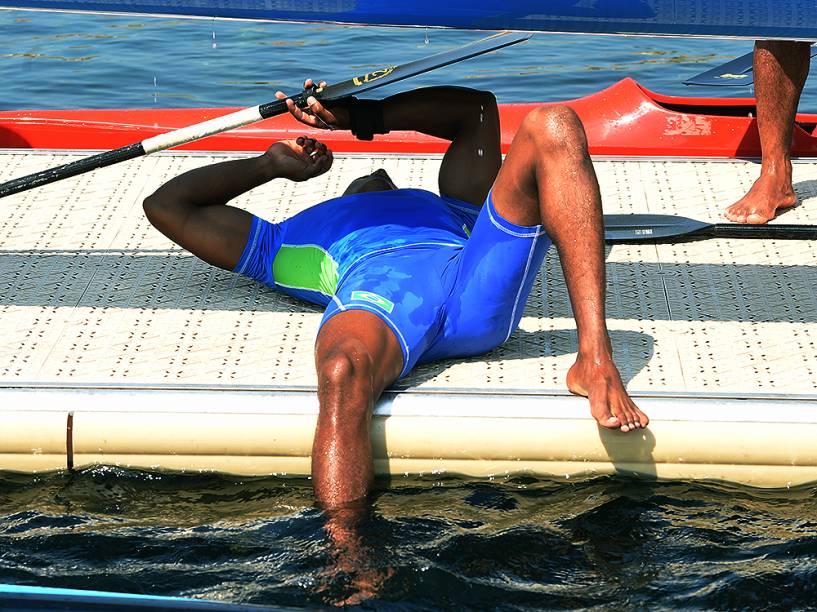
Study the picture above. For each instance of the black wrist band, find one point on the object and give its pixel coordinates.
(365, 116)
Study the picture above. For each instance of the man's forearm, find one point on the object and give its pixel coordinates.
(437, 111)
(219, 183)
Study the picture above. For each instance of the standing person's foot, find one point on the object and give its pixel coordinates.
(764, 200)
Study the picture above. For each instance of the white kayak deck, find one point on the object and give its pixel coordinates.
(165, 362)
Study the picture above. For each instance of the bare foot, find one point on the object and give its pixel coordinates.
(767, 196)
(599, 381)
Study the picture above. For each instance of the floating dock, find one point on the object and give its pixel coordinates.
(120, 348)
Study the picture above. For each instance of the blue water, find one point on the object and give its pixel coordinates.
(73, 61)
(512, 544)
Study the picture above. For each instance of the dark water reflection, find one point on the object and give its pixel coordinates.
(516, 544)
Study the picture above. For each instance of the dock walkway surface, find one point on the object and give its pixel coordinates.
(120, 348)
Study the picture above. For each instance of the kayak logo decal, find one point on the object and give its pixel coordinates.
(684, 125)
(373, 76)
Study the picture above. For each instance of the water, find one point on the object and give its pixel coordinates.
(515, 544)
(73, 61)
(511, 544)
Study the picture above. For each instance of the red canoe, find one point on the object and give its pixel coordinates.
(624, 119)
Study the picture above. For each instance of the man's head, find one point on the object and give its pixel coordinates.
(378, 180)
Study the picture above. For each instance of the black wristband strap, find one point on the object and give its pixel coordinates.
(366, 117)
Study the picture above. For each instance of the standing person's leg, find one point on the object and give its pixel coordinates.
(548, 179)
(356, 357)
(780, 69)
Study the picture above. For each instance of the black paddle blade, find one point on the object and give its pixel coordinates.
(643, 228)
(736, 72)
(393, 74)
(669, 228)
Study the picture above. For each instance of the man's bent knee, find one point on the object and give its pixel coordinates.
(554, 128)
(346, 368)
(345, 389)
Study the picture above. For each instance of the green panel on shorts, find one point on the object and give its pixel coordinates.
(307, 267)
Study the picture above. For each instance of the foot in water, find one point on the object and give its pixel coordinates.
(764, 200)
(610, 405)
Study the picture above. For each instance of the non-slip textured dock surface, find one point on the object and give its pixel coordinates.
(91, 293)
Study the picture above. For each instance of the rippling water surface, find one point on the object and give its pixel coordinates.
(94, 61)
(514, 544)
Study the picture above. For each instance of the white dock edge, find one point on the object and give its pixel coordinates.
(163, 362)
(757, 441)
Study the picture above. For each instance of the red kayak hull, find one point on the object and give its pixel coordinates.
(624, 120)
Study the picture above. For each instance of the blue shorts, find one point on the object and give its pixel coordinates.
(440, 300)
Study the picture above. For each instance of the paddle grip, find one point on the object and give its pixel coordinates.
(780, 232)
(279, 107)
(74, 168)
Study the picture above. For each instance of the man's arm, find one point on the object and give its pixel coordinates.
(466, 117)
(191, 208)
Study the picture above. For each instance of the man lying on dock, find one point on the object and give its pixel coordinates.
(408, 276)
(781, 68)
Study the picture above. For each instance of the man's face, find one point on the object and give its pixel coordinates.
(378, 180)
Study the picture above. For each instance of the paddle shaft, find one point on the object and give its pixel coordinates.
(779, 232)
(359, 84)
(149, 145)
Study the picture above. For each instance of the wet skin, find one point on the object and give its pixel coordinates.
(780, 70)
(547, 178)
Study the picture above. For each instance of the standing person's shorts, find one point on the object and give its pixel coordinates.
(440, 300)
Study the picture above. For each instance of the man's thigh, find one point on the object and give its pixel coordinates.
(497, 269)
(404, 290)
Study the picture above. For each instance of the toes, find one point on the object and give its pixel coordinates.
(756, 218)
(629, 415)
(627, 424)
(604, 416)
(640, 420)
(735, 215)
(612, 422)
